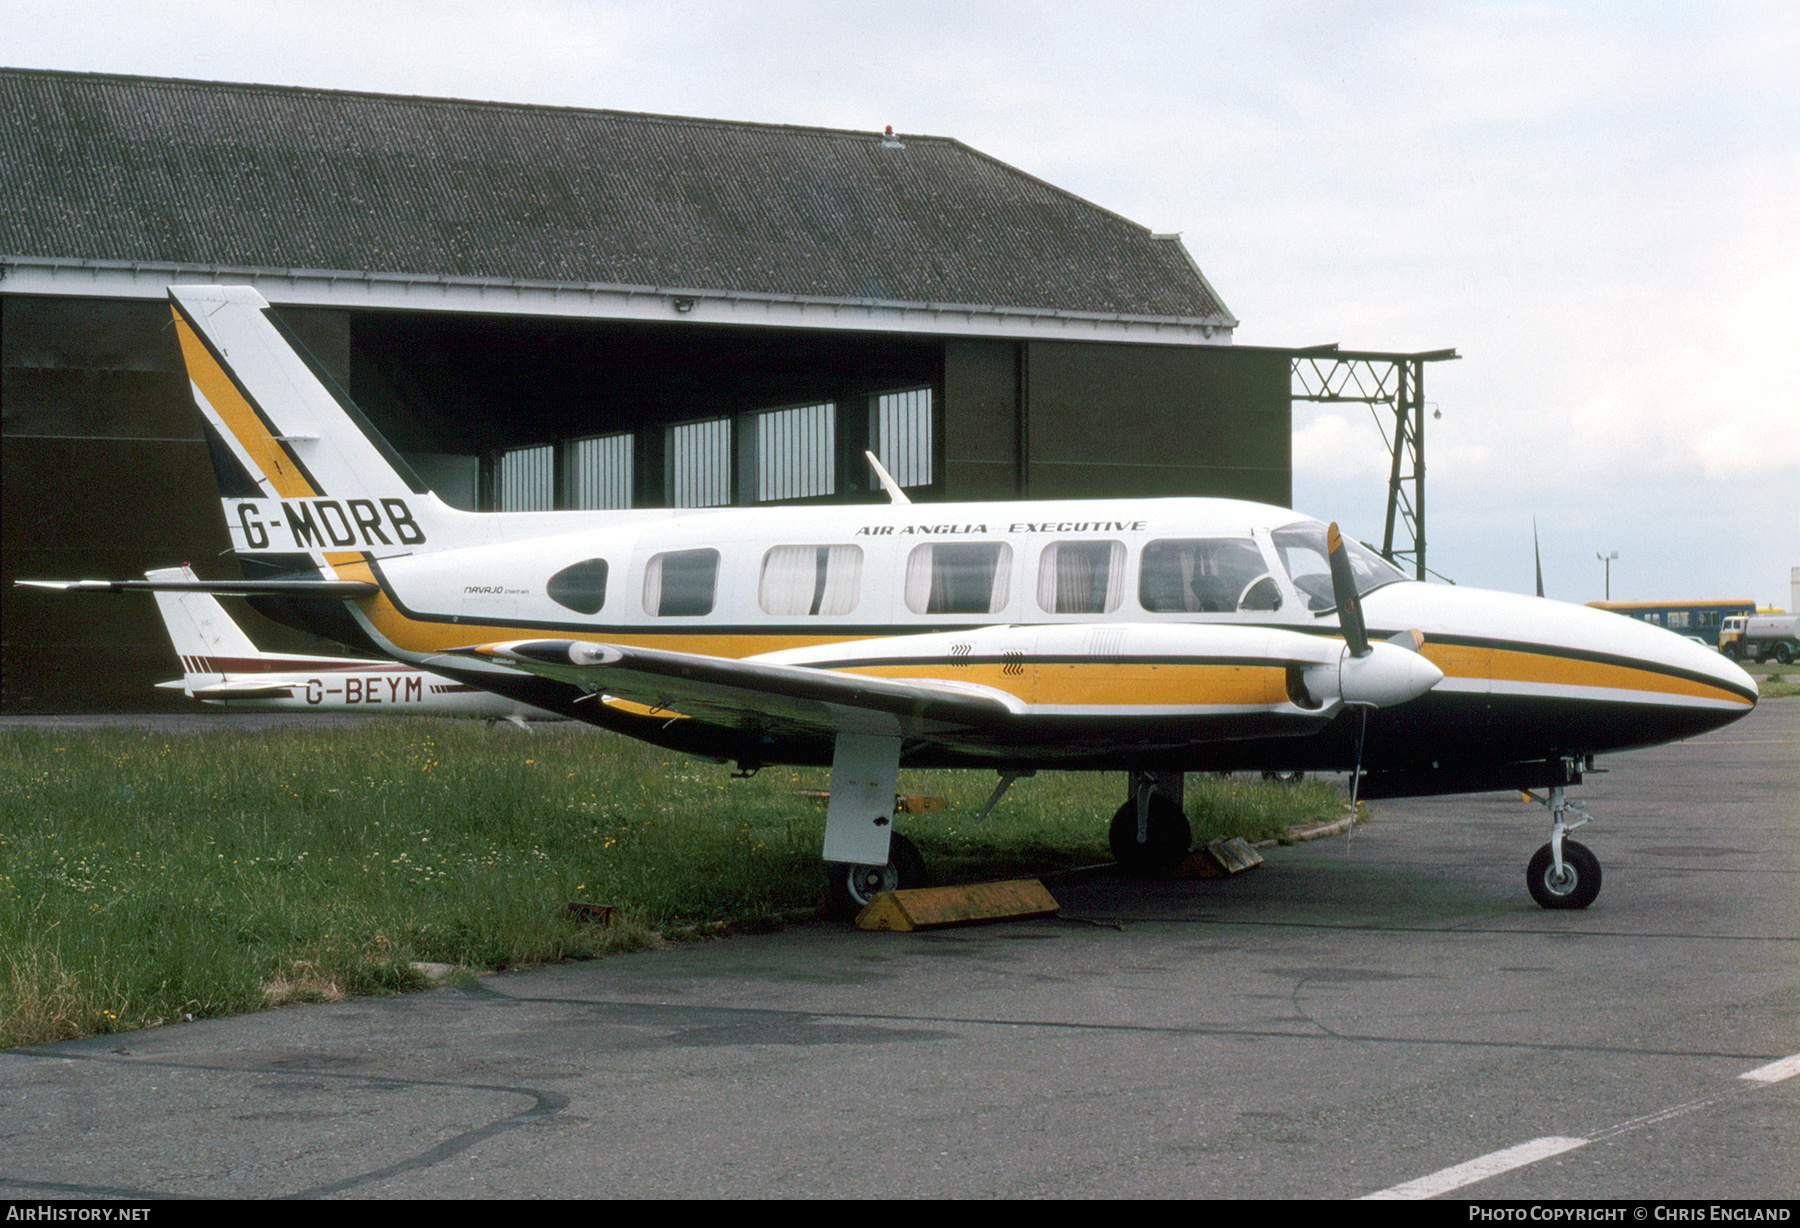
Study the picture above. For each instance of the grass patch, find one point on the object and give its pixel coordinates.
(147, 877)
(1771, 685)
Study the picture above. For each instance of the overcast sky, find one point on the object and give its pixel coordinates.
(1598, 205)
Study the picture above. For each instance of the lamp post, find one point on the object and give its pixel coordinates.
(1608, 560)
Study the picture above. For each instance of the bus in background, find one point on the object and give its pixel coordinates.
(1699, 620)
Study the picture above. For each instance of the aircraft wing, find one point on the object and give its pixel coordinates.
(752, 694)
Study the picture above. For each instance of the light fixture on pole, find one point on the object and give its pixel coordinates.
(1608, 560)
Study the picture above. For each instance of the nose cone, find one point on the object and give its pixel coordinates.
(1612, 681)
(1728, 671)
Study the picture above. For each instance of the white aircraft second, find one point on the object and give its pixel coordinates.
(221, 665)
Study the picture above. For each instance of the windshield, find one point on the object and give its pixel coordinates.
(1302, 550)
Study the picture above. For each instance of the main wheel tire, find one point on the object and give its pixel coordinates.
(1285, 778)
(1577, 887)
(1167, 837)
(853, 886)
(1784, 653)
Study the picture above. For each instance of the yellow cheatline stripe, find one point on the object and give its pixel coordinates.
(1513, 666)
(1110, 684)
(1516, 665)
(1098, 683)
(222, 394)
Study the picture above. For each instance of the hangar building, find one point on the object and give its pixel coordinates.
(551, 307)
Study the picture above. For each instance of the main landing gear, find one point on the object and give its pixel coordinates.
(853, 886)
(1150, 831)
(1564, 873)
(864, 855)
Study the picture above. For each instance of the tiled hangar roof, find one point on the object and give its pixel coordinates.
(110, 168)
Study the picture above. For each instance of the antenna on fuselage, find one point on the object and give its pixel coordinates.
(1537, 559)
(895, 495)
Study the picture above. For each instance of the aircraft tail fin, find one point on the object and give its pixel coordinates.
(204, 635)
(197, 624)
(301, 471)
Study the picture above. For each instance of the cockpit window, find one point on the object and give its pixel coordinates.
(1210, 575)
(1301, 548)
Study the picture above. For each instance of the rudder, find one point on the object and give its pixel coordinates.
(300, 470)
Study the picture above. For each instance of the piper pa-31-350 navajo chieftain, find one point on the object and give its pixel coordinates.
(221, 665)
(1158, 636)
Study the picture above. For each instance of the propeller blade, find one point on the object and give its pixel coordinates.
(1343, 588)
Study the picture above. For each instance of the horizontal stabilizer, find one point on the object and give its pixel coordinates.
(228, 691)
(325, 590)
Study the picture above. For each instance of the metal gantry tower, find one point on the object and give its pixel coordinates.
(1326, 373)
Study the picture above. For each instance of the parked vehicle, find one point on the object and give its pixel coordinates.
(1758, 637)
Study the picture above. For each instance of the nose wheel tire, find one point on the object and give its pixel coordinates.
(853, 886)
(1576, 887)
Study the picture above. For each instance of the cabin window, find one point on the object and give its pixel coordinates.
(958, 578)
(1081, 577)
(680, 584)
(581, 587)
(1216, 575)
(810, 579)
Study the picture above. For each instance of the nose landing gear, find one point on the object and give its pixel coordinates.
(1563, 873)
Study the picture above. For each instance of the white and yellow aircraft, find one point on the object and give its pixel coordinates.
(1153, 636)
(221, 665)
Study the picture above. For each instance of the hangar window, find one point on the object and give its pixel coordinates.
(525, 479)
(1216, 575)
(796, 455)
(599, 471)
(698, 465)
(810, 579)
(1081, 577)
(581, 587)
(680, 583)
(903, 435)
(958, 578)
